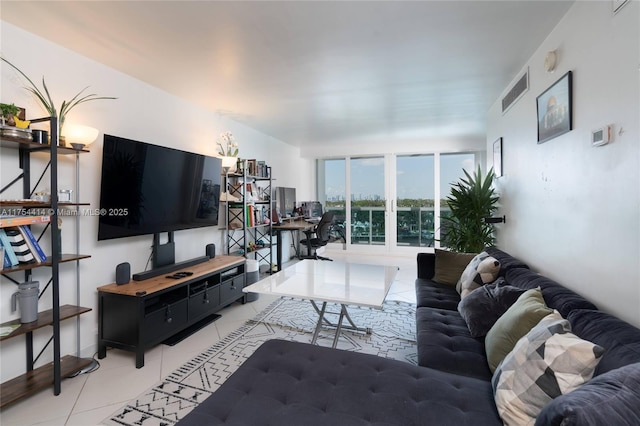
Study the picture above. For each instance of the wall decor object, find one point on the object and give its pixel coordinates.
(554, 107)
(497, 157)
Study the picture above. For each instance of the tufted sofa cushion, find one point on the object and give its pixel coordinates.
(555, 295)
(433, 295)
(445, 344)
(290, 383)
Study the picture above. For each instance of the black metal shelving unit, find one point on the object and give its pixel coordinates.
(252, 241)
(52, 373)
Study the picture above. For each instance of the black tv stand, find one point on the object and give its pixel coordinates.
(145, 275)
(141, 314)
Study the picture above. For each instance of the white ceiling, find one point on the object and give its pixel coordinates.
(313, 72)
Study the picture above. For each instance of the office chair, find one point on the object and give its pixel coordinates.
(322, 231)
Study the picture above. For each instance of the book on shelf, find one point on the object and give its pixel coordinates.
(262, 169)
(259, 216)
(19, 246)
(251, 167)
(10, 258)
(249, 216)
(10, 220)
(33, 244)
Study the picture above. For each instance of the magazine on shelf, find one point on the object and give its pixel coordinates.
(19, 246)
(33, 244)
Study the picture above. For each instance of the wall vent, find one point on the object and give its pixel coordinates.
(516, 92)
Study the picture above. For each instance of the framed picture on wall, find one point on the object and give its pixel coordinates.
(554, 107)
(497, 157)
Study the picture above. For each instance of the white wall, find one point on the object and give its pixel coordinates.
(141, 112)
(396, 146)
(573, 211)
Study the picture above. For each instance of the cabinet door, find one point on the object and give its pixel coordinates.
(231, 289)
(165, 321)
(204, 302)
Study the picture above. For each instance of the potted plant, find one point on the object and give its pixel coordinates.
(45, 98)
(8, 112)
(472, 199)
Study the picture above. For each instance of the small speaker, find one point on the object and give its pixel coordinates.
(123, 273)
(210, 250)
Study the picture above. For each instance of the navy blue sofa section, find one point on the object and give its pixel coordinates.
(444, 340)
(287, 383)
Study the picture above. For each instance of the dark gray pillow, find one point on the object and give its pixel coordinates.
(612, 398)
(483, 306)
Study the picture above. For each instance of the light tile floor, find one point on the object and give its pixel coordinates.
(89, 398)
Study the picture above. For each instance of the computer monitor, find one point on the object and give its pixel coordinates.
(311, 209)
(286, 200)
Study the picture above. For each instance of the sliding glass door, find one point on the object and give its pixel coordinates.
(389, 202)
(415, 201)
(368, 201)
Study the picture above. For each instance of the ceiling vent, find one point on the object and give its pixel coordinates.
(516, 92)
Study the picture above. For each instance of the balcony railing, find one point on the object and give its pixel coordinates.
(415, 225)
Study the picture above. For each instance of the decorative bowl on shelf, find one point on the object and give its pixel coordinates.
(77, 146)
(15, 132)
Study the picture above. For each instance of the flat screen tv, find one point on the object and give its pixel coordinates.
(149, 189)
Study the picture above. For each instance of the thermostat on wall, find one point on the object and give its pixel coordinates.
(601, 136)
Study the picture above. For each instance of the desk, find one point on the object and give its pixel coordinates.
(291, 225)
(331, 282)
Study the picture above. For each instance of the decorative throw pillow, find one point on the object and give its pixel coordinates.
(483, 306)
(547, 362)
(521, 317)
(612, 398)
(449, 266)
(483, 269)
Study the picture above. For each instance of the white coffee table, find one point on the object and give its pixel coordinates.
(331, 282)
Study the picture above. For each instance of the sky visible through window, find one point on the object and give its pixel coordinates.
(414, 176)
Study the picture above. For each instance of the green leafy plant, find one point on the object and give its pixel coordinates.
(7, 114)
(9, 110)
(471, 200)
(45, 98)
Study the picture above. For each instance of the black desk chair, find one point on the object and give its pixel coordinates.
(321, 231)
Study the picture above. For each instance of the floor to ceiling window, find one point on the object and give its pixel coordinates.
(368, 200)
(452, 168)
(415, 195)
(390, 201)
(332, 194)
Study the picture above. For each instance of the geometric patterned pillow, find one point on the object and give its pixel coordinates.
(483, 269)
(547, 362)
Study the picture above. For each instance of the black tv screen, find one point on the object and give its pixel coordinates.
(148, 189)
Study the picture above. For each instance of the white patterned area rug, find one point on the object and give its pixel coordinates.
(393, 336)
